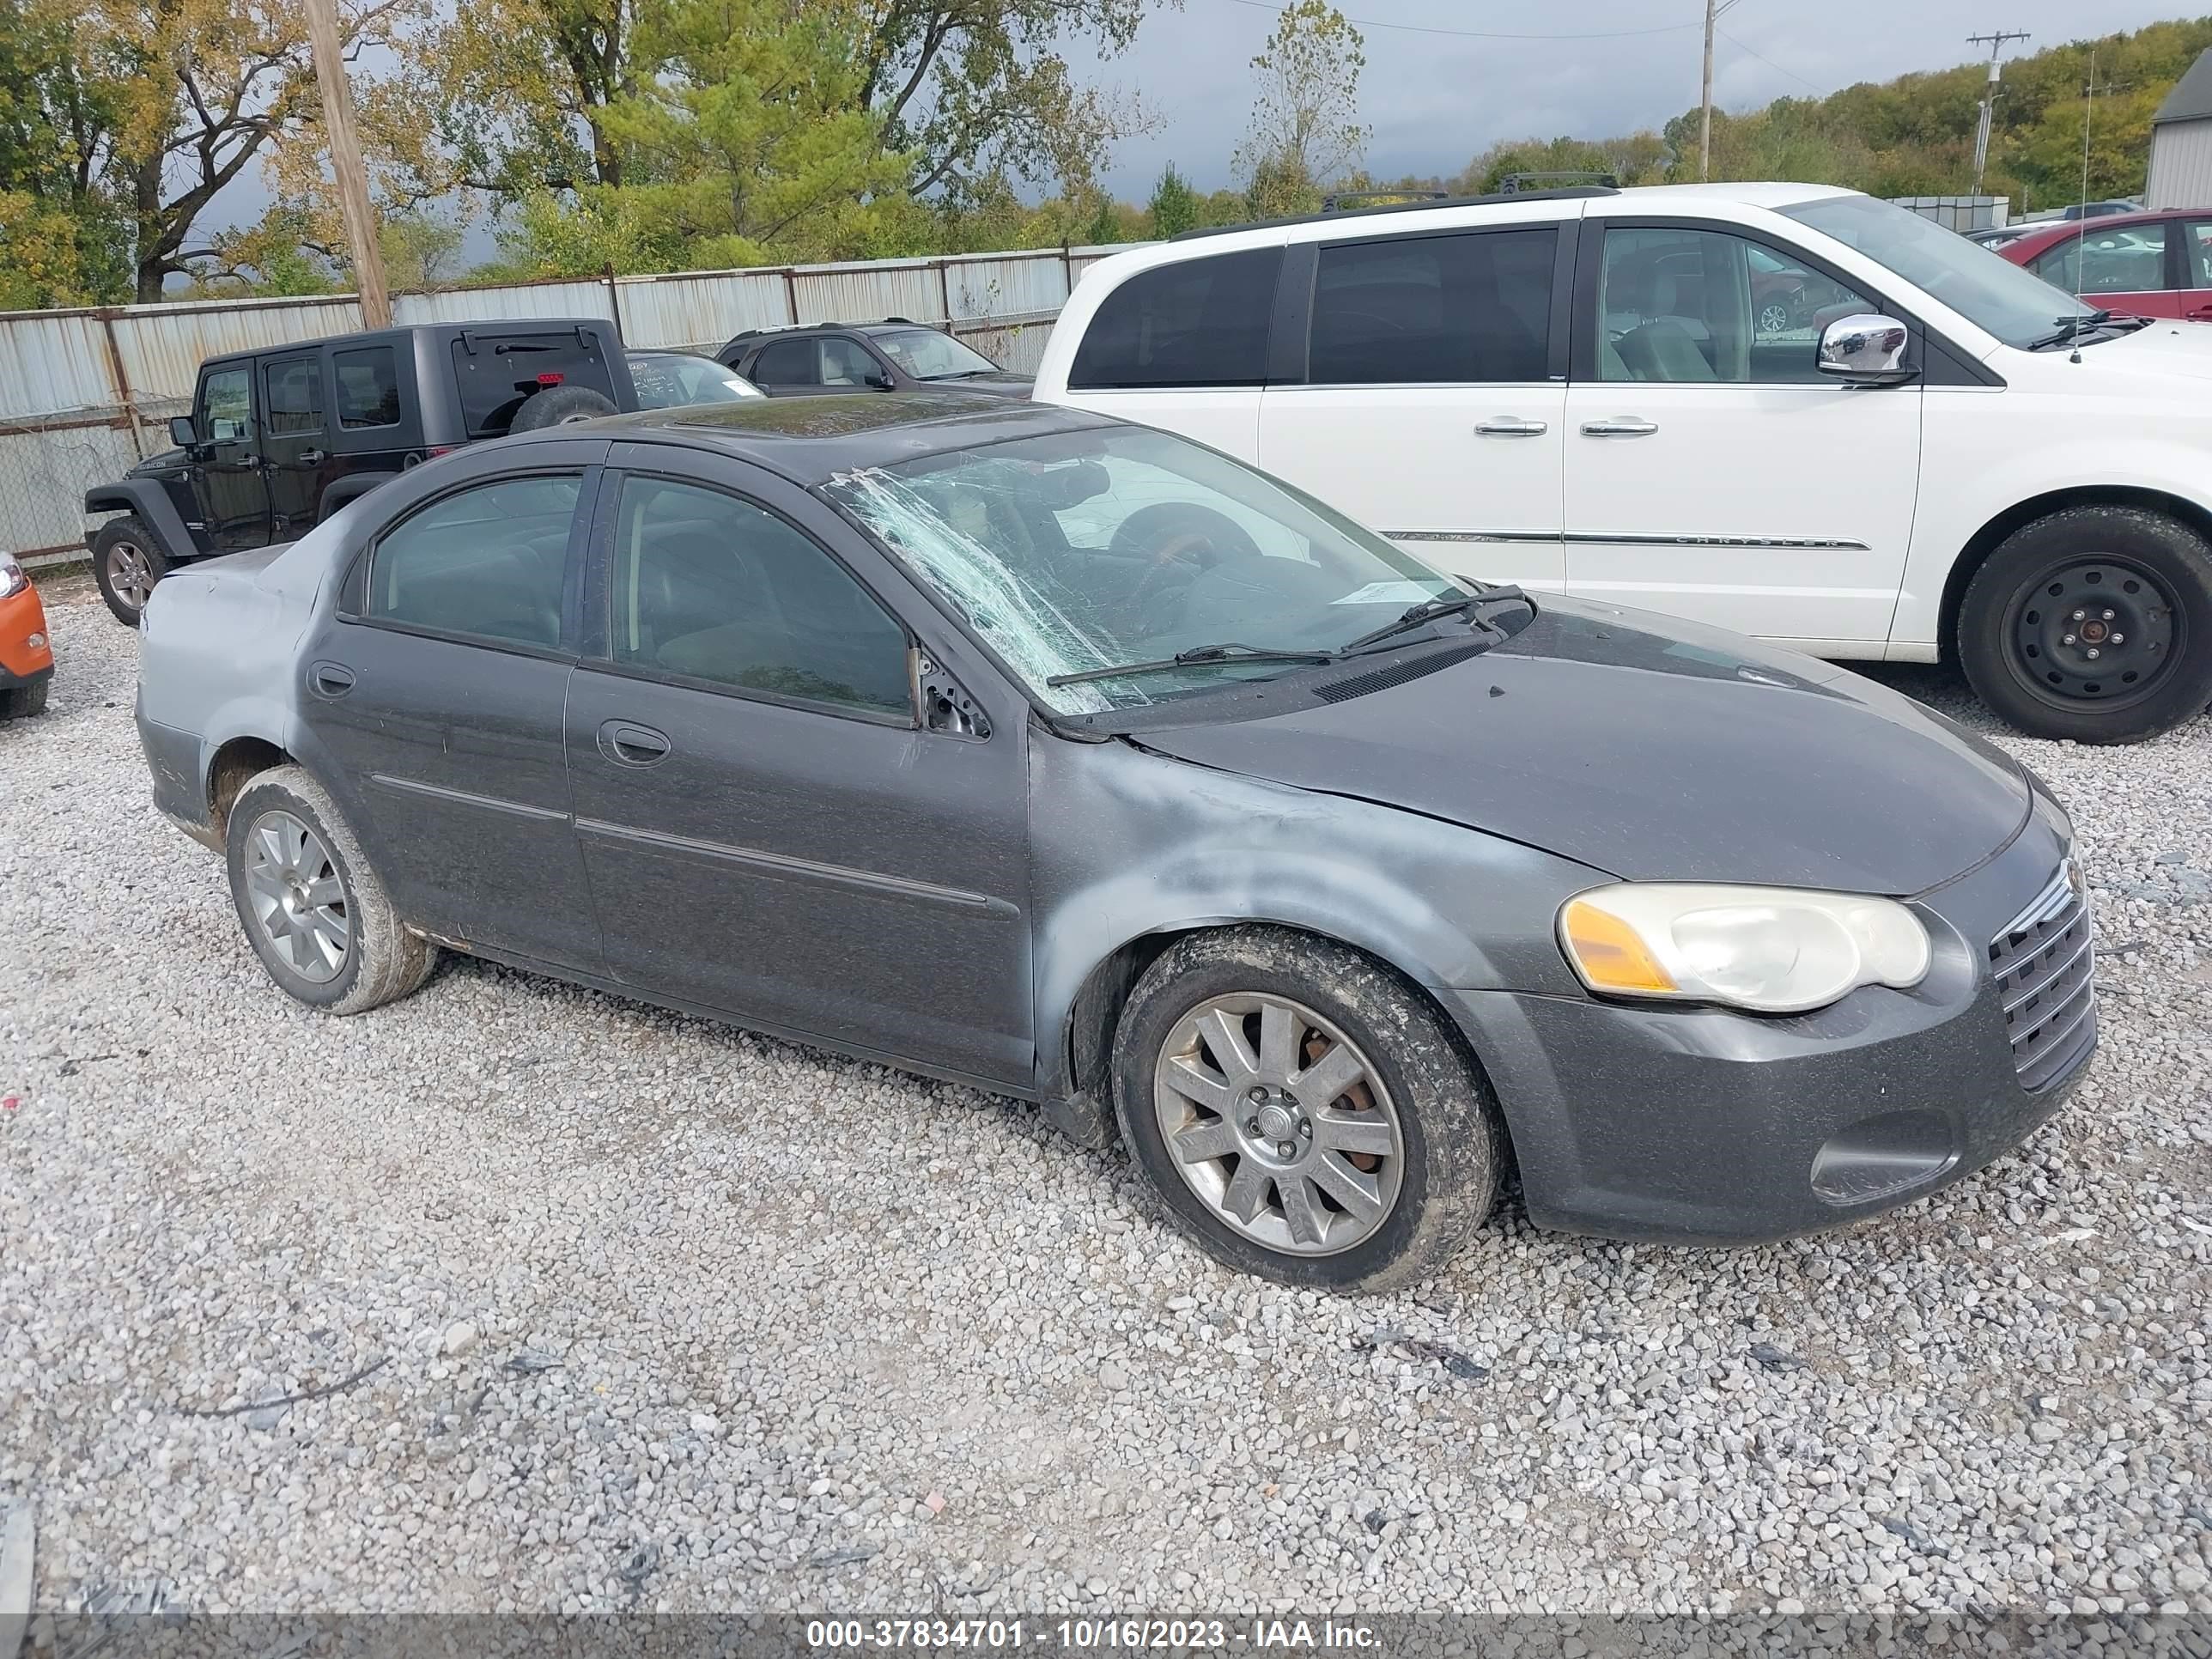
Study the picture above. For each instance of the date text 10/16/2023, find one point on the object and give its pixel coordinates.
(1087, 1635)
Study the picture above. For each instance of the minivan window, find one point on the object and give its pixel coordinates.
(489, 562)
(497, 372)
(1196, 322)
(2007, 300)
(1451, 308)
(1703, 305)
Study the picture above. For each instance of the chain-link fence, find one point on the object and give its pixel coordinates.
(85, 395)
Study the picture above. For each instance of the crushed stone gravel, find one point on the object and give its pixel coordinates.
(625, 1309)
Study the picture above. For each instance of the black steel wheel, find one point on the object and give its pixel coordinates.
(2094, 624)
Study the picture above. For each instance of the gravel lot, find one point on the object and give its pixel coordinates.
(642, 1311)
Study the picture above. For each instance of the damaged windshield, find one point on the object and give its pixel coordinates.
(1084, 551)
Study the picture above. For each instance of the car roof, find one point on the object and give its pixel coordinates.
(793, 331)
(399, 333)
(810, 440)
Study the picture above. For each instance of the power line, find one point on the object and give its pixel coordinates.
(1771, 64)
(1482, 34)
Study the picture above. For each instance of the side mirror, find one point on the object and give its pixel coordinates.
(876, 380)
(182, 433)
(1867, 349)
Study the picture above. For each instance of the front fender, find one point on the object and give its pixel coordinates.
(1127, 843)
(147, 500)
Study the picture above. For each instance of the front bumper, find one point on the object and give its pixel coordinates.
(1701, 1126)
(23, 619)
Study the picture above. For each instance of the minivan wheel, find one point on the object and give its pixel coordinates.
(1302, 1114)
(313, 910)
(126, 563)
(2094, 624)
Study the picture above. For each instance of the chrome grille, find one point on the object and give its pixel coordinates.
(2045, 969)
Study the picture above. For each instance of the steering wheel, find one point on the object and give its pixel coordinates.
(1169, 533)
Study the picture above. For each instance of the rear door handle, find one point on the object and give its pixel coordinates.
(312, 456)
(330, 679)
(627, 744)
(1619, 426)
(1512, 426)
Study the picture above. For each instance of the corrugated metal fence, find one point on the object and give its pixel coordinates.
(85, 394)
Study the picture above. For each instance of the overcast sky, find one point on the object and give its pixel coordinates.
(1435, 100)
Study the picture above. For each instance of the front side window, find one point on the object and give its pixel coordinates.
(927, 354)
(1433, 309)
(2125, 260)
(1117, 545)
(1679, 305)
(296, 396)
(788, 362)
(489, 562)
(846, 363)
(2005, 299)
(227, 403)
(2197, 244)
(367, 387)
(1195, 322)
(713, 588)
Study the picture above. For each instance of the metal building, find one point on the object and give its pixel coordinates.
(2181, 141)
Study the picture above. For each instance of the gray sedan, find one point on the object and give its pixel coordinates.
(1071, 760)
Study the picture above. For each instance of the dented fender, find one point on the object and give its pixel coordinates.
(1127, 843)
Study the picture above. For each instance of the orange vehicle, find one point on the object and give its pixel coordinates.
(27, 660)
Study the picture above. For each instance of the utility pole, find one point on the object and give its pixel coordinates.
(1713, 10)
(1995, 44)
(345, 162)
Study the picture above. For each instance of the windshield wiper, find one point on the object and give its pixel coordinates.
(1196, 656)
(2071, 328)
(1429, 610)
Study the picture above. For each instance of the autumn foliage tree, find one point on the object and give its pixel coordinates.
(1305, 131)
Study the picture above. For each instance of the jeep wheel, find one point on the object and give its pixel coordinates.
(2094, 624)
(126, 561)
(1301, 1113)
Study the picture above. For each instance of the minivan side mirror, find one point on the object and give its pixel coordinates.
(182, 433)
(1867, 349)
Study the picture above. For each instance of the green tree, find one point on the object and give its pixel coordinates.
(1174, 206)
(1305, 130)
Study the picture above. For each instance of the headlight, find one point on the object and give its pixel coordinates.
(1772, 949)
(12, 579)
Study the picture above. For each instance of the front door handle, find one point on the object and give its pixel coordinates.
(627, 744)
(330, 679)
(1511, 426)
(2200, 313)
(1619, 426)
(312, 456)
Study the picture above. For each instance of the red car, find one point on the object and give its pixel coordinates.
(2145, 264)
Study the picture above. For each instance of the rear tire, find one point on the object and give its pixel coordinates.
(1298, 1176)
(126, 561)
(313, 910)
(2093, 624)
(560, 406)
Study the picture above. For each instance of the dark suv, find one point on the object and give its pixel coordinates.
(280, 438)
(892, 355)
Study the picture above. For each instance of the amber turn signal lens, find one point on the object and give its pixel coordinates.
(1609, 954)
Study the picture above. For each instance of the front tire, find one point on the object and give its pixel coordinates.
(2093, 624)
(315, 913)
(126, 561)
(1300, 1112)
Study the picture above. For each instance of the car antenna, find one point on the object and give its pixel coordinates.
(2082, 236)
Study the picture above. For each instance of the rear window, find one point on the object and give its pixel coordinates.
(1197, 322)
(496, 371)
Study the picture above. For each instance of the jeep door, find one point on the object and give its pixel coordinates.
(230, 494)
(295, 454)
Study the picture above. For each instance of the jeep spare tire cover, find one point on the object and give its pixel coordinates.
(558, 405)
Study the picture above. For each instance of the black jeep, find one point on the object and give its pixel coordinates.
(281, 437)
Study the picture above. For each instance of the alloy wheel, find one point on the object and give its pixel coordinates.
(1774, 320)
(1279, 1124)
(2095, 629)
(129, 575)
(297, 897)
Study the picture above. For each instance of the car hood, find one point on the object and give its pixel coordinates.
(996, 385)
(166, 460)
(1652, 749)
(2166, 348)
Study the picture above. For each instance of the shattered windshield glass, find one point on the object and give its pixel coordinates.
(1119, 545)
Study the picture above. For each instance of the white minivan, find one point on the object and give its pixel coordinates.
(1788, 410)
